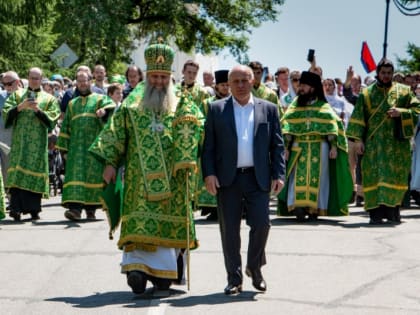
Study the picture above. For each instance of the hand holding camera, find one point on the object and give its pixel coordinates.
(29, 103)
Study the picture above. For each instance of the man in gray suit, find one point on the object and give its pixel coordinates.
(243, 159)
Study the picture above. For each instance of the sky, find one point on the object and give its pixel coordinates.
(336, 30)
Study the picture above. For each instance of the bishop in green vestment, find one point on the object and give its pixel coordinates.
(156, 137)
(382, 125)
(318, 173)
(32, 113)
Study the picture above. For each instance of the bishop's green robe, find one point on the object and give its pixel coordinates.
(386, 160)
(304, 129)
(28, 169)
(83, 181)
(159, 152)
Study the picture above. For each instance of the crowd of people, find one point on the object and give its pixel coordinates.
(150, 151)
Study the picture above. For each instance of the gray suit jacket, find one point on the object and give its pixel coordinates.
(219, 156)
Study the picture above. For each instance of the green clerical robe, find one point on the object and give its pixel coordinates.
(159, 152)
(265, 93)
(386, 159)
(28, 169)
(83, 181)
(305, 129)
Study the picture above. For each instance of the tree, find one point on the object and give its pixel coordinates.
(26, 34)
(412, 64)
(103, 30)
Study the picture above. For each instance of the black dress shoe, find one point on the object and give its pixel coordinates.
(35, 216)
(15, 215)
(137, 281)
(359, 201)
(300, 214)
(257, 279)
(233, 289)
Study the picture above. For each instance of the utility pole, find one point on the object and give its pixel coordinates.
(386, 28)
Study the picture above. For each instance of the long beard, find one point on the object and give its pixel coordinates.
(305, 99)
(162, 100)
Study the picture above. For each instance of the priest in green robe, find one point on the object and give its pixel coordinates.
(84, 119)
(31, 113)
(318, 173)
(156, 137)
(260, 90)
(382, 125)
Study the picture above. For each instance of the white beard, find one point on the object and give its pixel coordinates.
(159, 100)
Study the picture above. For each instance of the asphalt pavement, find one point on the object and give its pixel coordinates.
(330, 266)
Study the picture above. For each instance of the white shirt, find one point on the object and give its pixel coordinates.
(244, 121)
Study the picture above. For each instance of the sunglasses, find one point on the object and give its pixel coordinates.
(8, 83)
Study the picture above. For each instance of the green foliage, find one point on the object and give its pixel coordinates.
(26, 34)
(104, 31)
(411, 64)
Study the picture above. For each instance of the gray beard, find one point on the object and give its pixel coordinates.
(158, 100)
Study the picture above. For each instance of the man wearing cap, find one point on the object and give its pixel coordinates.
(85, 117)
(381, 125)
(155, 136)
(318, 176)
(222, 85)
(31, 113)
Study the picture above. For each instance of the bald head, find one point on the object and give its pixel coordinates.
(34, 78)
(241, 81)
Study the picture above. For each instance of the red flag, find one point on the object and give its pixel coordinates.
(367, 59)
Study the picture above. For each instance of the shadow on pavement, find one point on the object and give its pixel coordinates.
(213, 299)
(47, 205)
(293, 221)
(334, 222)
(130, 300)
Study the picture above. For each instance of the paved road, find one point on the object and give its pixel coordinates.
(333, 266)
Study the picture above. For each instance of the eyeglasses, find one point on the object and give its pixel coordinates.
(8, 83)
(295, 80)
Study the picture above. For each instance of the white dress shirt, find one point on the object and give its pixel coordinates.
(244, 121)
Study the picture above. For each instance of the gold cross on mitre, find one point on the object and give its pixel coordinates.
(160, 59)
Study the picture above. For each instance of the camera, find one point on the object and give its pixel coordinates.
(31, 96)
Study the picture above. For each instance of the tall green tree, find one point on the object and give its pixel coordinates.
(103, 30)
(26, 35)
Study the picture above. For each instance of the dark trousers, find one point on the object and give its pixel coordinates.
(25, 201)
(245, 190)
